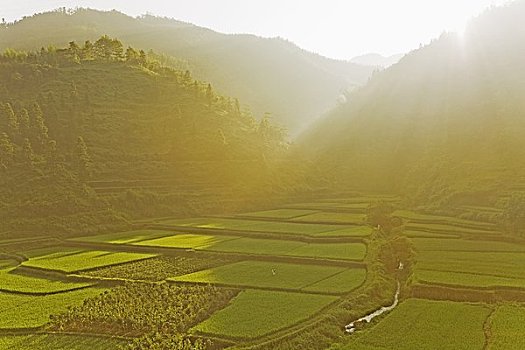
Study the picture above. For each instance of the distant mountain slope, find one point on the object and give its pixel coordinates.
(376, 60)
(448, 118)
(269, 75)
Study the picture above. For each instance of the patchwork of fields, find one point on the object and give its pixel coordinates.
(262, 273)
(274, 294)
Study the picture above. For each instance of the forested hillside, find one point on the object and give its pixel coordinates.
(268, 75)
(444, 124)
(95, 131)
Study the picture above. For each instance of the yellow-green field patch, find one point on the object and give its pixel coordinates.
(507, 328)
(500, 264)
(430, 244)
(124, 237)
(11, 281)
(337, 218)
(467, 279)
(82, 260)
(25, 311)
(263, 275)
(59, 342)
(339, 283)
(254, 313)
(423, 324)
(278, 213)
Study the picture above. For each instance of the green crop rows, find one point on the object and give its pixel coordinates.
(507, 328)
(24, 311)
(345, 251)
(254, 226)
(421, 324)
(33, 285)
(255, 313)
(82, 260)
(274, 275)
(338, 218)
(59, 342)
(278, 213)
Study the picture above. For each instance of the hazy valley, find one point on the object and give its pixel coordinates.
(167, 186)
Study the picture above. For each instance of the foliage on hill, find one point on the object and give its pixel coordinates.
(98, 111)
(444, 125)
(269, 75)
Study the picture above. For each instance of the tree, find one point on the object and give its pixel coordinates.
(83, 159)
(8, 120)
(74, 52)
(379, 215)
(132, 55)
(87, 50)
(143, 57)
(38, 128)
(108, 49)
(514, 214)
(28, 155)
(210, 96)
(7, 151)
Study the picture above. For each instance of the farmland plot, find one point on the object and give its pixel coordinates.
(268, 275)
(421, 324)
(10, 281)
(255, 313)
(82, 260)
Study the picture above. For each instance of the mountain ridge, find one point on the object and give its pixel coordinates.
(268, 74)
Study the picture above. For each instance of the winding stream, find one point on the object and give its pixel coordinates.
(350, 328)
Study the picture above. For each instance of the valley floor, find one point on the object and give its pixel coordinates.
(284, 278)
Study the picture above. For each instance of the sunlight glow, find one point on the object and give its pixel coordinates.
(334, 28)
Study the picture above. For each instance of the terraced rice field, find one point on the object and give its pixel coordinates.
(254, 313)
(127, 237)
(12, 282)
(484, 263)
(344, 251)
(188, 241)
(425, 234)
(59, 342)
(446, 220)
(422, 324)
(450, 229)
(25, 311)
(467, 279)
(431, 244)
(258, 226)
(269, 275)
(341, 282)
(283, 214)
(72, 261)
(337, 218)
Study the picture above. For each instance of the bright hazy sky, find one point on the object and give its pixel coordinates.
(334, 28)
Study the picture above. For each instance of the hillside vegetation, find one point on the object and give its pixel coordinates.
(268, 75)
(97, 114)
(443, 125)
